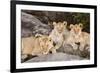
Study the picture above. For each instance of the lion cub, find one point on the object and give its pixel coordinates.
(38, 45)
(78, 36)
(57, 34)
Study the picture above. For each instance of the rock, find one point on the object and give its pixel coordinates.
(68, 49)
(26, 32)
(55, 57)
(31, 25)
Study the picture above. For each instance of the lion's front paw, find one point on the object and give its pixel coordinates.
(81, 48)
(75, 47)
(54, 51)
(45, 53)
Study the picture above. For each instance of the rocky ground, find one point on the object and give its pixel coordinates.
(55, 57)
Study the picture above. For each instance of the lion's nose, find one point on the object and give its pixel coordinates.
(78, 43)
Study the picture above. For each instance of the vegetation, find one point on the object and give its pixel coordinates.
(70, 17)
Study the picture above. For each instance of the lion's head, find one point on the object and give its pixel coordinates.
(46, 43)
(60, 26)
(76, 29)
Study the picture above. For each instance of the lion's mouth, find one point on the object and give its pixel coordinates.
(60, 31)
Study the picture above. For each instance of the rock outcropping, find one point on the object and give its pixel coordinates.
(31, 25)
(55, 57)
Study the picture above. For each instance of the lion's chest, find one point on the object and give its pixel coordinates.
(56, 37)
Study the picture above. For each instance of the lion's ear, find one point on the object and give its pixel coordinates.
(81, 25)
(54, 23)
(71, 26)
(65, 23)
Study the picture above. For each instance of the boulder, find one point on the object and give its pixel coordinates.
(32, 25)
(55, 57)
(68, 49)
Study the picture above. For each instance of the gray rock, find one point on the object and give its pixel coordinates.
(26, 32)
(68, 49)
(32, 25)
(55, 57)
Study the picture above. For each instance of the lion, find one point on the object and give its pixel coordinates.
(57, 34)
(78, 38)
(82, 37)
(36, 45)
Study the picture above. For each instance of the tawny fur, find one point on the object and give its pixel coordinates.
(57, 34)
(36, 45)
(78, 36)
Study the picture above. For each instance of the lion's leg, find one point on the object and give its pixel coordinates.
(57, 46)
(81, 48)
(53, 50)
(88, 48)
(72, 43)
(75, 46)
